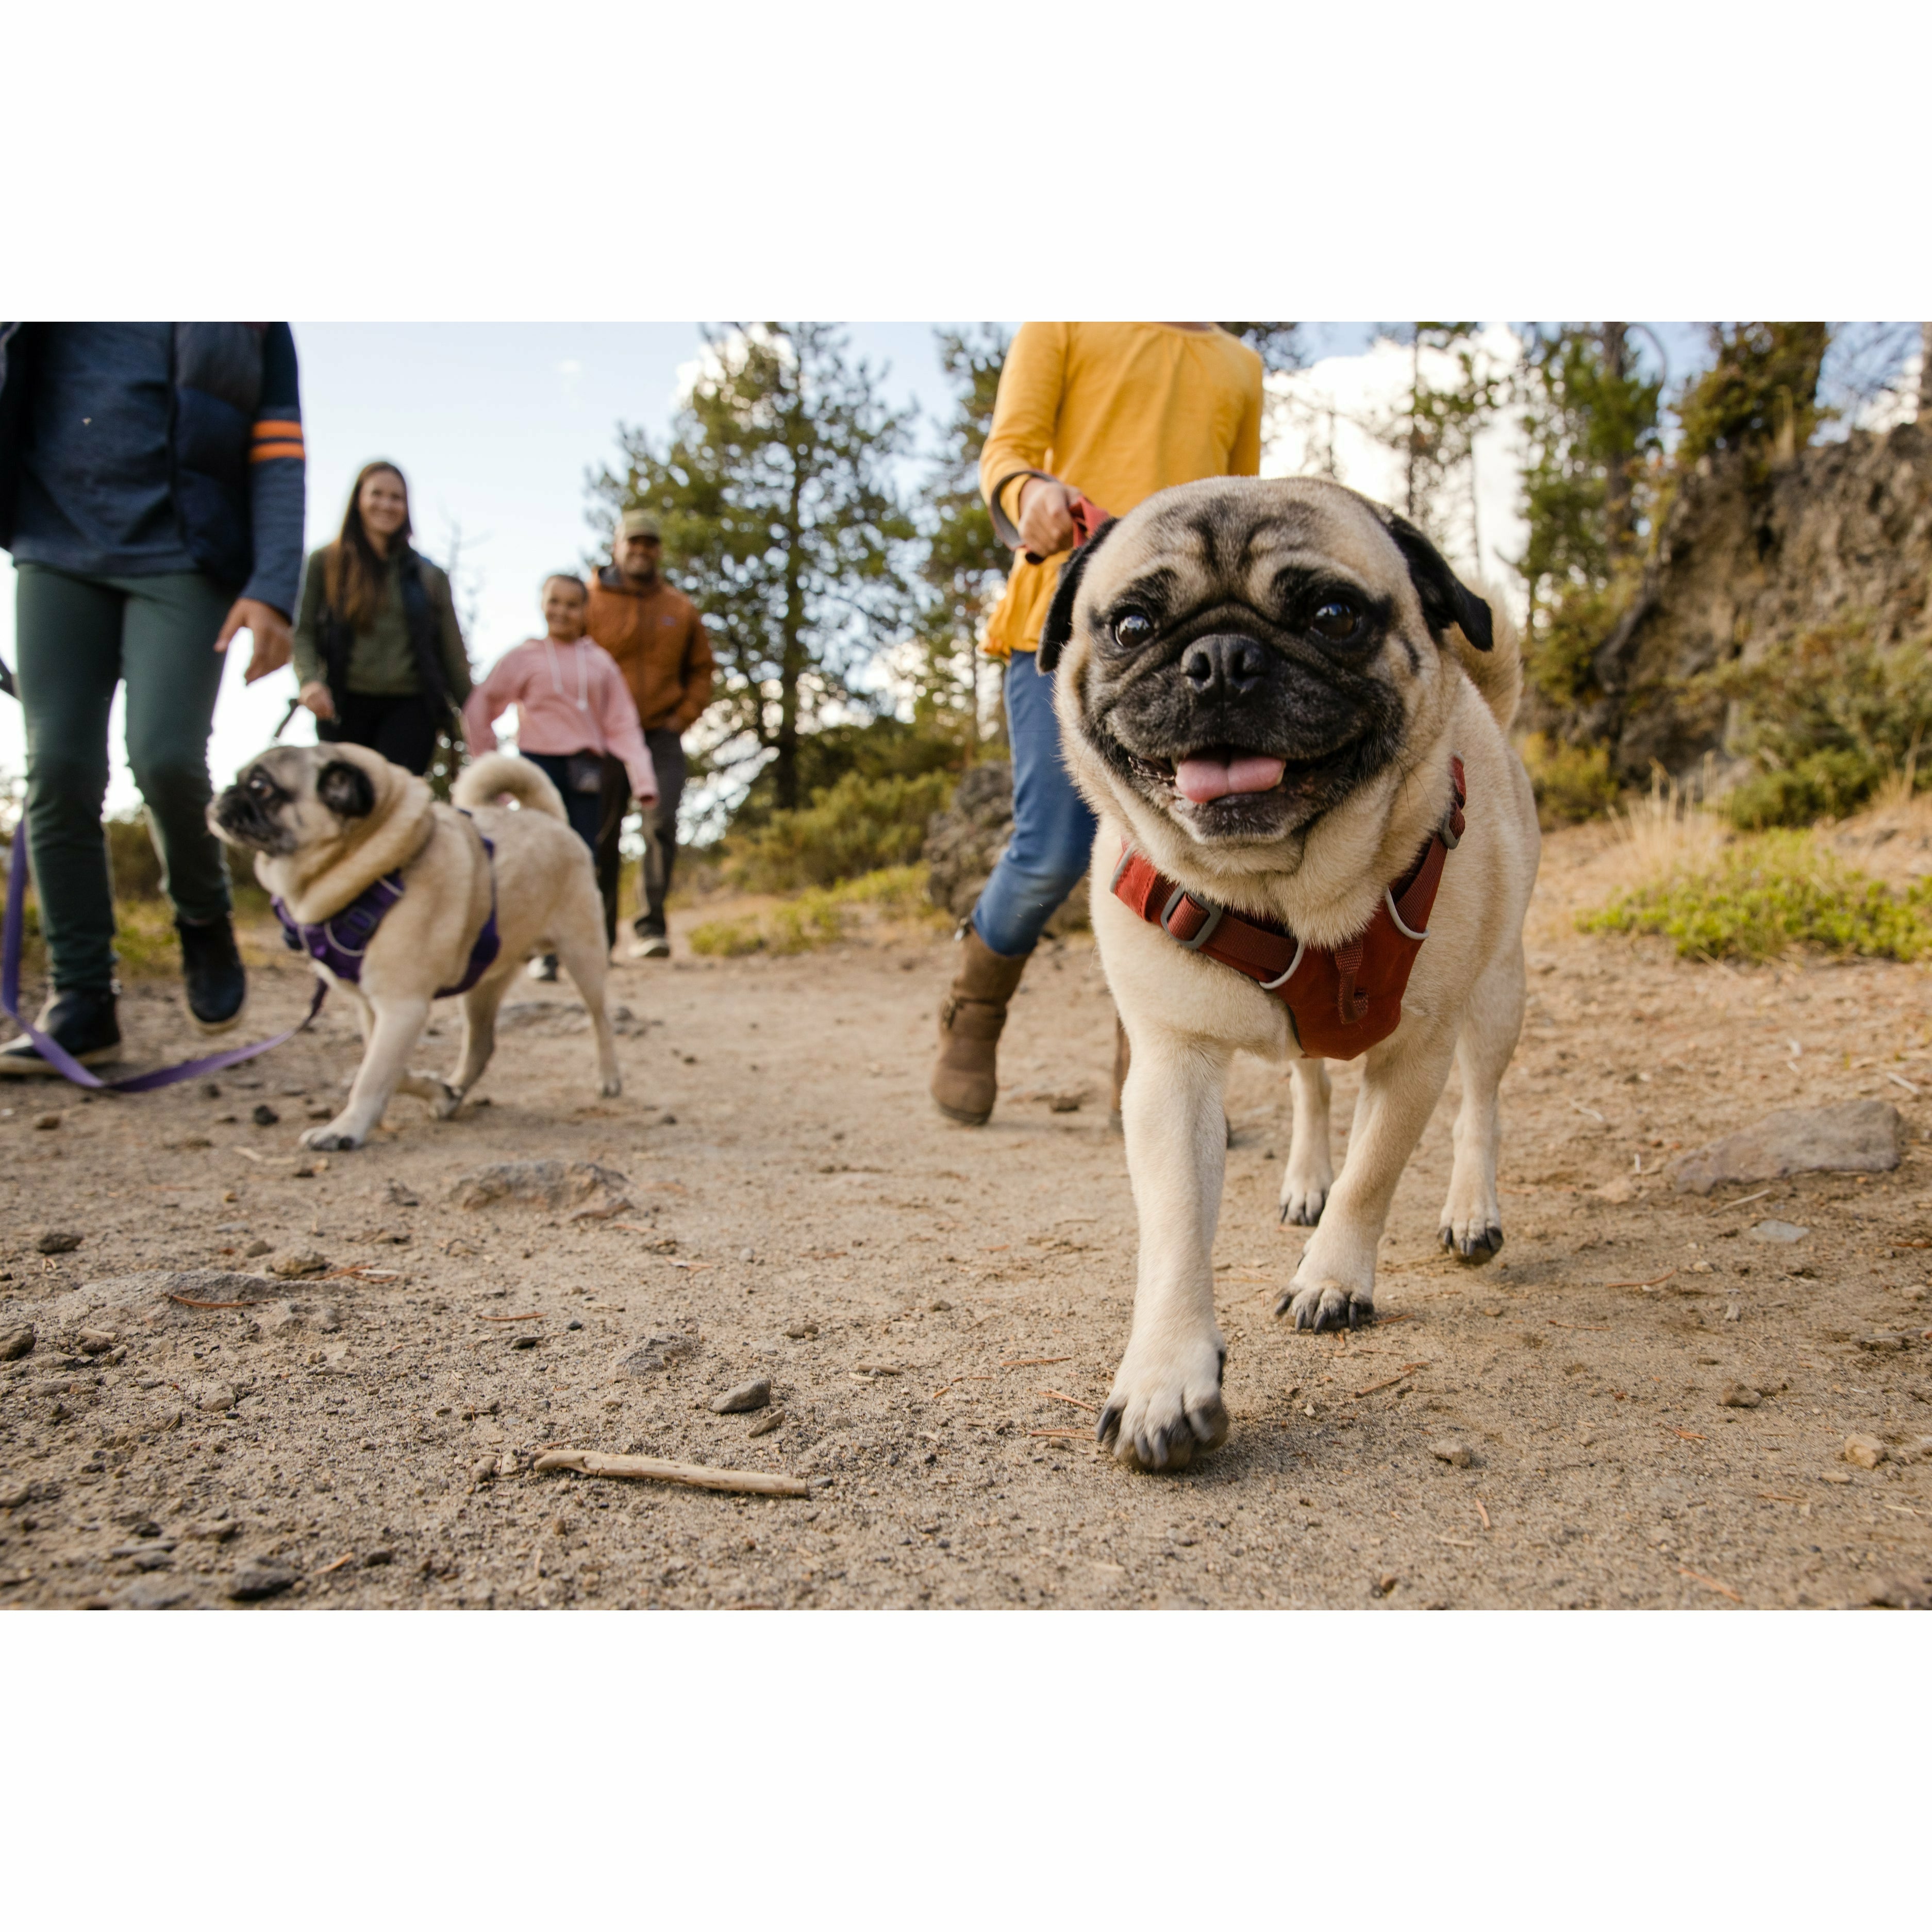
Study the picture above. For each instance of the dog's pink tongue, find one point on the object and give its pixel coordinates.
(1202, 780)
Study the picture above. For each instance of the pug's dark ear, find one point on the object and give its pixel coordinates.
(1057, 631)
(345, 790)
(1446, 599)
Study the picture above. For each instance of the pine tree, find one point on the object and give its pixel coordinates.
(782, 519)
(964, 565)
(1759, 396)
(1589, 419)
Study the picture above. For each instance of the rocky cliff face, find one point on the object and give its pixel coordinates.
(1843, 530)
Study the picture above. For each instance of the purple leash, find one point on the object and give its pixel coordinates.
(57, 1056)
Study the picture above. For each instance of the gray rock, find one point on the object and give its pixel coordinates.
(264, 1115)
(654, 1354)
(291, 1263)
(400, 1196)
(56, 1240)
(740, 1401)
(257, 1248)
(149, 1290)
(215, 1397)
(1738, 1396)
(1457, 1455)
(254, 1581)
(16, 1342)
(1885, 1344)
(1784, 1231)
(587, 1191)
(524, 1341)
(1868, 1452)
(1851, 1137)
(153, 1593)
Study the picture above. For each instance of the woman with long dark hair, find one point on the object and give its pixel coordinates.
(377, 647)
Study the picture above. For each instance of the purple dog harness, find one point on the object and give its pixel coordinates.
(340, 941)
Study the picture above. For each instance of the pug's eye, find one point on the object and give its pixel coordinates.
(1337, 618)
(1133, 628)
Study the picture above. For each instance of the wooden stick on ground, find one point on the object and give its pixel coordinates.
(692, 1475)
(1091, 1408)
(1036, 1361)
(1724, 1207)
(1480, 1511)
(1389, 1382)
(1080, 1435)
(189, 1301)
(1710, 1583)
(1658, 1283)
(533, 1315)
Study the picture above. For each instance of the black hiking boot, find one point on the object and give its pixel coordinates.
(217, 985)
(83, 1022)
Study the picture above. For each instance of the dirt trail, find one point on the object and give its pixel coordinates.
(931, 1303)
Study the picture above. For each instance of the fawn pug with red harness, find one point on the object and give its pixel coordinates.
(1315, 842)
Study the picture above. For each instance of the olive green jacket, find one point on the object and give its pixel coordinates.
(381, 663)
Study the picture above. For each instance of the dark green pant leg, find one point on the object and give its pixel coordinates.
(173, 676)
(67, 632)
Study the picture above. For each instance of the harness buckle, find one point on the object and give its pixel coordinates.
(1207, 925)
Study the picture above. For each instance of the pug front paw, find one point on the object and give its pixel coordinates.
(1166, 1407)
(1328, 1304)
(332, 1138)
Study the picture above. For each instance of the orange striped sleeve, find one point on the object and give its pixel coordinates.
(270, 430)
(267, 452)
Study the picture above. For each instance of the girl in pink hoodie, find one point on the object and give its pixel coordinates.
(576, 719)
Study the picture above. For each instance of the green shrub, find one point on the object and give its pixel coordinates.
(1827, 718)
(855, 826)
(1768, 892)
(1572, 782)
(817, 917)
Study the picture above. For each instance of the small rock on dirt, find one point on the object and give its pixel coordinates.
(290, 1264)
(215, 1397)
(46, 1122)
(1457, 1455)
(802, 1331)
(264, 1115)
(654, 1354)
(741, 1400)
(56, 1240)
(1902, 1593)
(1866, 1452)
(588, 1191)
(257, 1248)
(254, 1581)
(1851, 1137)
(16, 1342)
(1882, 1344)
(524, 1341)
(1786, 1232)
(153, 1593)
(1738, 1396)
(400, 1196)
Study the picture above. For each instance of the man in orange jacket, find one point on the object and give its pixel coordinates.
(654, 632)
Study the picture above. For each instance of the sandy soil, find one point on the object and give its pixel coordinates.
(936, 1308)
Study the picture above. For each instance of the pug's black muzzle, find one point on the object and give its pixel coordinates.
(247, 820)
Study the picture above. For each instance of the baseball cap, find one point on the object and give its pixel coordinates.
(640, 523)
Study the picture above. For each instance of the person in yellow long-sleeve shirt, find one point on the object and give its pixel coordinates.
(1111, 411)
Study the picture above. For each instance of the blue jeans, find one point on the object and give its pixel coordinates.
(584, 809)
(1053, 830)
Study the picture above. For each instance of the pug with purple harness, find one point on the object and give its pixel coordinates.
(400, 901)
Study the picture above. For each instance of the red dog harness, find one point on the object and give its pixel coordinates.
(1341, 999)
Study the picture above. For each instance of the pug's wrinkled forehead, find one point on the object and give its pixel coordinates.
(1262, 544)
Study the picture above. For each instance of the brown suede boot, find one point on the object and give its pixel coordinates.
(965, 1081)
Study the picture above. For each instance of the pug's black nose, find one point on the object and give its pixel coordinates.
(1219, 667)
